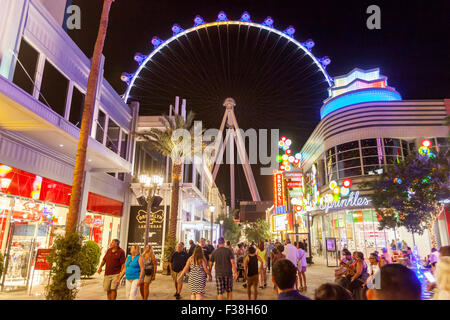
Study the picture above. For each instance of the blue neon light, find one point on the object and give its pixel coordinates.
(360, 96)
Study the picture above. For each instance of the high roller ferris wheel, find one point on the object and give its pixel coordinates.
(137, 81)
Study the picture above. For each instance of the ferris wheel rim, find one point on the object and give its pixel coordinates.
(328, 78)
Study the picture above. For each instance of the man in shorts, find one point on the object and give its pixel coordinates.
(177, 262)
(115, 261)
(225, 263)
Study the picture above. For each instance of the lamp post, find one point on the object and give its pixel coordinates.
(211, 210)
(221, 224)
(149, 184)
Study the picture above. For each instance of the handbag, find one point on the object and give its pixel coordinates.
(148, 267)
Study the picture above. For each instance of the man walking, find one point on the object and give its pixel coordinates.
(225, 265)
(206, 249)
(115, 262)
(177, 262)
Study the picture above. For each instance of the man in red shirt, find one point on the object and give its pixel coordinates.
(115, 261)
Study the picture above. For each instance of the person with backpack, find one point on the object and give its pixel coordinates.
(177, 262)
(150, 266)
(251, 271)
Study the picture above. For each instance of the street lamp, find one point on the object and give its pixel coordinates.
(221, 224)
(211, 210)
(149, 184)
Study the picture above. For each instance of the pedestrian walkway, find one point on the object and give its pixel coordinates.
(163, 289)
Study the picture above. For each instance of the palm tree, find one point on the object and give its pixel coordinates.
(162, 141)
(86, 122)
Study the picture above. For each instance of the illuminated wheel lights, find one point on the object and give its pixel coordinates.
(222, 19)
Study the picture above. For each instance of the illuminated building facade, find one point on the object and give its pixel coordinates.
(366, 125)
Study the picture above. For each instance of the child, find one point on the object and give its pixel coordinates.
(252, 271)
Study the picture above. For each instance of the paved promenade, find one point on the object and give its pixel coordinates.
(163, 289)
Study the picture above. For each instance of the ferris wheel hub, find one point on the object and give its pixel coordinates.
(229, 103)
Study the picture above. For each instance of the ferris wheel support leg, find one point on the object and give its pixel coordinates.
(244, 159)
(221, 149)
(232, 186)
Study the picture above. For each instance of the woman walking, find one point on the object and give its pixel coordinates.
(133, 271)
(262, 253)
(149, 271)
(197, 268)
(301, 265)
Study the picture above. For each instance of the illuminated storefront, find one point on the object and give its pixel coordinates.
(33, 211)
(365, 126)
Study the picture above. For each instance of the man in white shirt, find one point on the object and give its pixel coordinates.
(290, 252)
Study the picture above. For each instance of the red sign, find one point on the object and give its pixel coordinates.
(41, 259)
(278, 190)
(289, 175)
(293, 184)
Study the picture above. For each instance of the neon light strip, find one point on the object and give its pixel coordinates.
(364, 95)
(206, 25)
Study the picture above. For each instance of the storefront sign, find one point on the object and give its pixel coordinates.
(137, 225)
(293, 175)
(353, 200)
(278, 190)
(41, 259)
(293, 184)
(283, 222)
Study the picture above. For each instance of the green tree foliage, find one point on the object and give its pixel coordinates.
(408, 193)
(230, 229)
(257, 231)
(90, 252)
(66, 251)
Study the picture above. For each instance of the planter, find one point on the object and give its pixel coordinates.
(166, 269)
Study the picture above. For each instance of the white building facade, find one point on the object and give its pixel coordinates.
(43, 82)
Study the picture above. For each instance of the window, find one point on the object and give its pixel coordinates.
(347, 146)
(349, 164)
(393, 151)
(101, 123)
(76, 107)
(54, 89)
(368, 143)
(188, 173)
(389, 142)
(124, 145)
(121, 176)
(198, 180)
(372, 161)
(348, 155)
(350, 173)
(369, 152)
(26, 67)
(112, 138)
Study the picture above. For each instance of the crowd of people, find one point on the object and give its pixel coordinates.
(384, 276)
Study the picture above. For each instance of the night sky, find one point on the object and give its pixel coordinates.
(274, 85)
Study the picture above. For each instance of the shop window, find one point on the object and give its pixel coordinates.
(198, 180)
(443, 144)
(348, 155)
(369, 152)
(124, 145)
(121, 176)
(26, 67)
(349, 164)
(112, 138)
(393, 151)
(76, 107)
(404, 144)
(370, 170)
(101, 123)
(392, 160)
(368, 143)
(188, 173)
(368, 161)
(54, 89)
(347, 146)
(350, 173)
(389, 142)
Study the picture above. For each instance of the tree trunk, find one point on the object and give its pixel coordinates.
(86, 122)
(176, 178)
(430, 226)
